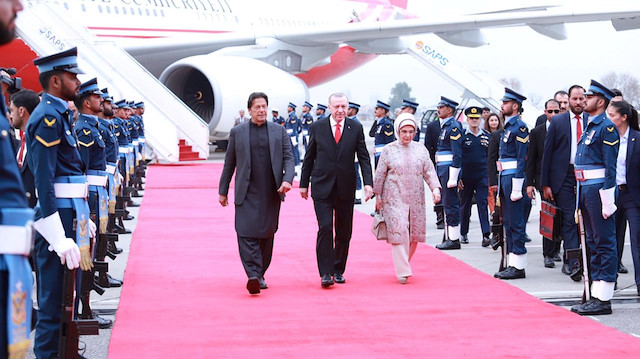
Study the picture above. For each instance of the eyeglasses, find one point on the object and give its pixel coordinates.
(553, 111)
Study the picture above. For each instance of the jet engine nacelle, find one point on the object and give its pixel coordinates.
(216, 87)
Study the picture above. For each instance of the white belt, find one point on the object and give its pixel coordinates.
(123, 150)
(130, 149)
(94, 180)
(289, 130)
(135, 142)
(444, 158)
(111, 169)
(508, 165)
(593, 174)
(16, 239)
(70, 190)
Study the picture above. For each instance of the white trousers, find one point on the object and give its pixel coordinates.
(402, 254)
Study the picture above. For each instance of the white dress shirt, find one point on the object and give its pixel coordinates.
(574, 135)
(621, 166)
(333, 123)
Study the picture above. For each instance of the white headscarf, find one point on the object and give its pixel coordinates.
(405, 119)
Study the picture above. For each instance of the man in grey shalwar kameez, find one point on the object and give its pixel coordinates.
(260, 153)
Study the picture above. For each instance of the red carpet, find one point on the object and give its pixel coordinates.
(185, 296)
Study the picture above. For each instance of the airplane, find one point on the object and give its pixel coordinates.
(212, 53)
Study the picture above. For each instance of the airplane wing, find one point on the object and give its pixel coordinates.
(382, 36)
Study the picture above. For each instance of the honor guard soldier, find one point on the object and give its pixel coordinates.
(382, 129)
(121, 132)
(62, 190)
(474, 177)
(449, 163)
(321, 111)
(411, 107)
(276, 116)
(595, 168)
(432, 133)
(511, 165)
(352, 113)
(306, 120)
(293, 127)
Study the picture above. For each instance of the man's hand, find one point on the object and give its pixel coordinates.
(284, 187)
(547, 194)
(224, 201)
(368, 192)
(531, 192)
(460, 185)
(304, 193)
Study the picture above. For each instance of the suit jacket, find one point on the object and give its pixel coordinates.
(240, 120)
(492, 156)
(633, 165)
(327, 163)
(534, 155)
(431, 138)
(540, 120)
(557, 151)
(28, 180)
(238, 158)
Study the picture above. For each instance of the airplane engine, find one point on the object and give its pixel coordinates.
(216, 87)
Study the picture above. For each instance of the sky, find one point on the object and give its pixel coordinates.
(541, 64)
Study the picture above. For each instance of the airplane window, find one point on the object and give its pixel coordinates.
(148, 13)
(108, 9)
(155, 13)
(115, 10)
(288, 61)
(161, 12)
(140, 11)
(66, 6)
(100, 9)
(276, 63)
(131, 11)
(84, 9)
(124, 10)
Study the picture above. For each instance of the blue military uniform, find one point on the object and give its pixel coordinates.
(414, 105)
(276, 116)
(107, 129)
(595, 166)
(383, 132)
(511, 165)
(358, 176)
(323, 108)
(449, 163)
(307, 120)
(61, 184)
(474, 176)
(124, 142)
(16, 280)
(293, 127)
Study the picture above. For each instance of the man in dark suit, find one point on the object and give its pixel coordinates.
(328, 164)
(431, 143)
(557, 176)
(20, 108)
(534, 164)
(260, 153)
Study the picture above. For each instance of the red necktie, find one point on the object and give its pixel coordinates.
(21, 152)
(338, 134)
(578, 128)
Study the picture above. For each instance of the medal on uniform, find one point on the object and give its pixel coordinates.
(506, 136)
(590, 137)
(443, 133)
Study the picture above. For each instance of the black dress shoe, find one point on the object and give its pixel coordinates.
(102, 322)
(113, 282)
(556, 258)
(496, 242)
(593, 306)
(327, 281)
(527, 238)
(566, 269)
(548, 262)
(510, 273)
(263, 283)
(638, 289)
(622, 269)
(128, 217)
(464, 239)
(576, 273)
(338, 278)
(253, 285)
(133, 204)
(440, 225)
(486, 240)
(448, 245)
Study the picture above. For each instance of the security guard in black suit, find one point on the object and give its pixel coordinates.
(62, 189)
(595, 169)
(474, 179)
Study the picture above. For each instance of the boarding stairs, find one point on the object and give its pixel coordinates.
(172, 130)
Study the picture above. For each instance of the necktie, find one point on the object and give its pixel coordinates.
(578, 128)
(21, 152)
(338, 134)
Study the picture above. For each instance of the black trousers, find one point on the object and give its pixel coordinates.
(255, 254)
(332, 256)
(549, 247)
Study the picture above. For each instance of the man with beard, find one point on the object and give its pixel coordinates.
(557, 176)
(61, 184)
(511, 165)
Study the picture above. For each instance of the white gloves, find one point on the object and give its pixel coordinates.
(516, 188)
(53, 232)
(92, 229)
(453, 177)
(608, 198)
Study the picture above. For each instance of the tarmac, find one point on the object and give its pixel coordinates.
(547, 284)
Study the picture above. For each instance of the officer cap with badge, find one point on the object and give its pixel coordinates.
(322, 107)
(123, 104)
(354, 105)
(62, 61)
(306, 103)
(409, 103)
(473, 112)
(510, 95)
(597, 89)
(90, 88)
(274, 110)
(383, 105)
(105, 95)
(293, 106)
(140, 104)
(447, 102)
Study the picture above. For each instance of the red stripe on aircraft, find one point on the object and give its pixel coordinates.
(343, 61)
